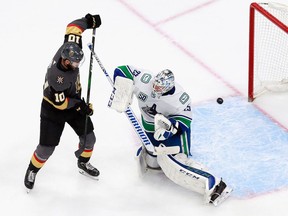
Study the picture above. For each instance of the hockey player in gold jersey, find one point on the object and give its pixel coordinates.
(62, 102)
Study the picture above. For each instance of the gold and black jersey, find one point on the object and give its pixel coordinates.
(62, 88)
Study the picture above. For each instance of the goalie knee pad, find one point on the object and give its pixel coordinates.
(188, 174)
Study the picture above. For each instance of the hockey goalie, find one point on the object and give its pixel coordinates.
(166, 118)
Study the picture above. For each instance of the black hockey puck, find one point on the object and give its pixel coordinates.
(219, 100)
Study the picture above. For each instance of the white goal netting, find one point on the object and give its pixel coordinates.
(270, 49)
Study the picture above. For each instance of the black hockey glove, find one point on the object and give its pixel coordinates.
(85, 109)
(93, 21)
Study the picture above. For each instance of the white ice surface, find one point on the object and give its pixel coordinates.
(204, 42)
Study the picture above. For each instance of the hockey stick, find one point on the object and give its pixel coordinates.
(134, 121)
(81, 148)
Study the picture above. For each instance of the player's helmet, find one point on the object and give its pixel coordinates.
(163, 82)
(73, 53)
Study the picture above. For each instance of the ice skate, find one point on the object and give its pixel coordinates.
(29, 179)
(88, 170)
(220, 193)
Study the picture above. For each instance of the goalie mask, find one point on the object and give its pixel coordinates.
(73, 53)
(163, 82)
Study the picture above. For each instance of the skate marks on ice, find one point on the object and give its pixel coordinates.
(239, 143)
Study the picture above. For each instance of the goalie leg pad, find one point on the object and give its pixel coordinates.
(121, 96)
(192, 178)
(189, 161)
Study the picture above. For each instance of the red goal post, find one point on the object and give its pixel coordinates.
(268, 49)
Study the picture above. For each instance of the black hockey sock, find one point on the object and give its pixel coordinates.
(32, 167)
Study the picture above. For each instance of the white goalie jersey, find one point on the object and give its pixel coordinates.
(176, 105)
(150, 104)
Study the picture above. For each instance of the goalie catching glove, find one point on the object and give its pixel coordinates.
(121, 96)
(164, 128)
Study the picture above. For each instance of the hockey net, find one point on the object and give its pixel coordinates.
(268, 49)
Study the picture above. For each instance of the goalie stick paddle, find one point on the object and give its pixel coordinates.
(134, 121)
(82, 147)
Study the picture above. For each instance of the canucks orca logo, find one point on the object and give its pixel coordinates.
(150, 111)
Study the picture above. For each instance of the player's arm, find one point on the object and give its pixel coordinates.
(183, 118)
(75, 29)
(58, 95)
(58, 98)
(165, 127)
(60, 101)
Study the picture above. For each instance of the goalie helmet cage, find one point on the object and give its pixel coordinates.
(268, 49)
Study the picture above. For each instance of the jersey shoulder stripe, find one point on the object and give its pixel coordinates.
(124, 71)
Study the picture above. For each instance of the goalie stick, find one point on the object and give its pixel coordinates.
(134, 121)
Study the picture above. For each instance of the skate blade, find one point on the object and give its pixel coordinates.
(85, 174)
(28, 190)
(224, 195)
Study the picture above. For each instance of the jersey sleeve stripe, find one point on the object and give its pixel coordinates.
(74, 29)
(63, 106)
(186, 121)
